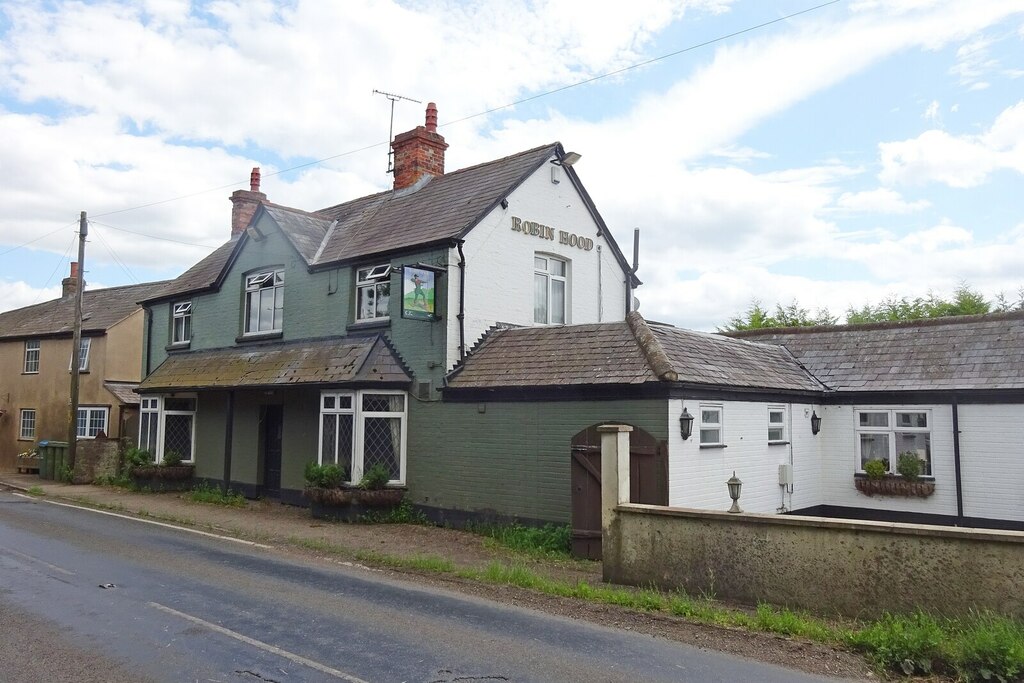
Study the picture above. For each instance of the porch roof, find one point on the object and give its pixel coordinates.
(324, 362)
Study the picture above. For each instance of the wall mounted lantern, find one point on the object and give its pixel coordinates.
(734, 485)
(686, 424)
(815, 422)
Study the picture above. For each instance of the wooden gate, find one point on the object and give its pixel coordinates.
(648, 483)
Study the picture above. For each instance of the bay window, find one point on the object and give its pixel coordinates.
(361, 429)
(167, 423)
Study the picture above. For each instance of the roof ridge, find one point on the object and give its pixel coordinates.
(654, 353)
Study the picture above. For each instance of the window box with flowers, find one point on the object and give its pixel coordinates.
(876, 480)
(331, 497)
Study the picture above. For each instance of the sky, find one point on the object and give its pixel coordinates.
(854, 151)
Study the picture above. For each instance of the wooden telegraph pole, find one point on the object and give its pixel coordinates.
(76, 344)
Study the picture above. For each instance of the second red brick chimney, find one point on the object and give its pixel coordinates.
(245, 202)
(419, 152)
(69, 285)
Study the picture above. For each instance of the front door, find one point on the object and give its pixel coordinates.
(273, 429)
(648, 483)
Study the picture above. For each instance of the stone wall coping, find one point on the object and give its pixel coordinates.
(614, 428)
(989, 535)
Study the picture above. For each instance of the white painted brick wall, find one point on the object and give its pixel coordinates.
(499, 270)
(992, 460)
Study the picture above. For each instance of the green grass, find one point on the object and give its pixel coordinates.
(548, 541)
(35, 491)
(423, 563)
(403, 513)
(204, 493)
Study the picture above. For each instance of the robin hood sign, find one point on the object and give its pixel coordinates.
(546, 232)
(418, 293)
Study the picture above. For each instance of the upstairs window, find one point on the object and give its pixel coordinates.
(181, 315)
(549, 290)
(776, 424)
(83, 355)
(710, 425)
(32, 356)
(264, 301)
(373, 292)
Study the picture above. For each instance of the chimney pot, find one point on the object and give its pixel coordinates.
(74, 269)
(254, 180)
(245, 202)
(431, 117)
(69, 285)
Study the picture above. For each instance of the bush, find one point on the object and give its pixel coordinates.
(909, 465)
(907, 643)
(329, 476)
(137, 457)
(876, 469)
(375, 478)
(172, 459)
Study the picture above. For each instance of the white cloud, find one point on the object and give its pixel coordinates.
(931, 112)
(881, 200)
(958, 161)
(16, 294)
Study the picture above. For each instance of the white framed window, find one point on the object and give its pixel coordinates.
(167, 423)
(27, 424)
(264, 301)
(360, 429)
(711, 431)
(550, 288)
(776, 424)
(181, 322)
(886, 433)
(373, 292)
(83, 355)
(32, 356)
(92, 420)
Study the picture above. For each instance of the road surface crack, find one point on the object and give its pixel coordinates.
(255, 674)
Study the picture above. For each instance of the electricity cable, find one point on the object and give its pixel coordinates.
(116, 258)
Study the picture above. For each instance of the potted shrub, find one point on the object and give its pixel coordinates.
(168, 475)
(909, 465)
(332, 498)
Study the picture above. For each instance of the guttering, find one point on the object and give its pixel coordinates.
(462, 301)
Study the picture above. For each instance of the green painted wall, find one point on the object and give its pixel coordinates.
(512, 459)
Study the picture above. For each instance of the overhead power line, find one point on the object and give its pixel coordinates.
(33, 241)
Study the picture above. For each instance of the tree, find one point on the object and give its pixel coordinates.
(757, 317)
(965, 301)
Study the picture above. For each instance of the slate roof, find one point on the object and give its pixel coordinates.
(333, 361)
(966, 352)
(101, 309)
(626, 352)
(124, 391)
(434, 210)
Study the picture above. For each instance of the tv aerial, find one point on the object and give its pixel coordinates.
(393, 98)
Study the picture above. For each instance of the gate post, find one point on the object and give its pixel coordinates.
(614, 487)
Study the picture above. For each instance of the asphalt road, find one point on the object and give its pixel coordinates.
(86, 596)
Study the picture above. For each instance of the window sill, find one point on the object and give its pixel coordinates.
(713, 445)
(778, 443)
(30, 439)
(178, 346)
(31, 373)
(262, 336)
(374, 324)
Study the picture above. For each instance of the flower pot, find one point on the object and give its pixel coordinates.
(349, 504)
(163, 477)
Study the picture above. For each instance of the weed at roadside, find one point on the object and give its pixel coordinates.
(549, 540)
(35, 491)
(204, 493)
(403, 513)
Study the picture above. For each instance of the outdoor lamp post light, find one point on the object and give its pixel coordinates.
(815, 422)
(686, 424)
(734, 485)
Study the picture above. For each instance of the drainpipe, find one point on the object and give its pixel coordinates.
(462, 302)
(149, 340)
(228, 427)
(956, 462)
(632, 273)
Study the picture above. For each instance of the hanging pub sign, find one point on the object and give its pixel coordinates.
(418, 293)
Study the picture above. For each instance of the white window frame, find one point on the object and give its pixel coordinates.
(149, 407)
(156, 405)
(545, 272)
(782, 425)
(30, 433)
(32, 355)
(358, 428)
(719, 425)
(892, 429)
(89, 412)
(370, 278)
(337, 409)
(257, 283)
(182, 312)
(83, 355)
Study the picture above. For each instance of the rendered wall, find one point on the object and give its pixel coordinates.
(858, 569)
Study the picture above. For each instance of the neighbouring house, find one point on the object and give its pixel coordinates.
(327, 335)
(35, 367)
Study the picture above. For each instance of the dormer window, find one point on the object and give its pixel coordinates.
(182, 322)
(373, 292)
(264, 301)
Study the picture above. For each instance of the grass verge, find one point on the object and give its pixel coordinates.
(35, 491)
(204, 493)
(549, 541)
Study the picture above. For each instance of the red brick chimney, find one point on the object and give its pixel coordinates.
(69, 285)
(419, 152)
(245, 202)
